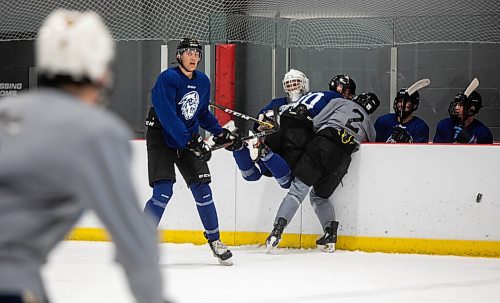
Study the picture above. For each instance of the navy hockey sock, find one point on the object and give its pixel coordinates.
(279, 168)
(247, 167)
(206, 209)
(162, 192)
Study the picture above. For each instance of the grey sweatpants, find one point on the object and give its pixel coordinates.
(296, 194)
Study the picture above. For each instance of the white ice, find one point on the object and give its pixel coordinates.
(83, 272)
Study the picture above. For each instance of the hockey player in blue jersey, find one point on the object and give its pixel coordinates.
(402, 126)
(461, 126)
(180, 100)
(259, 160)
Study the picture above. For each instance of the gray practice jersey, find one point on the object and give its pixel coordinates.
(58, 157)
(346, 114)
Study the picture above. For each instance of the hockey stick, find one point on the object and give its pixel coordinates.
(249, 137)
(240, 115)
(417, 85)
(472, 87)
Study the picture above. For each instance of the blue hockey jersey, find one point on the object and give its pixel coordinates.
(416, 127)
(181, 105)
(445, 132)
(314, 101)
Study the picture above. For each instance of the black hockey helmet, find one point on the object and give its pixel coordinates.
(188, 43)
(405, 98)
(369, 101)
(471, 104)
(345, 82)
(474, 103)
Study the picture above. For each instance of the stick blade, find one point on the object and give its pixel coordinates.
(472, 87)
(418, 85)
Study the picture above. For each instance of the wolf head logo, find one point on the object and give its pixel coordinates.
(189, 104)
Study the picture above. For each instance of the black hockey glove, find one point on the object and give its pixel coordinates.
(237, 142)
(270, 117)
(198, 146)
(462, 135)
(299, 113)
(225, 138)
(401, 135)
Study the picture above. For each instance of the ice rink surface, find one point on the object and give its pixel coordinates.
(83, 272)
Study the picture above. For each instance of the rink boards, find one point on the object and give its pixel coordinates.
(395, 198)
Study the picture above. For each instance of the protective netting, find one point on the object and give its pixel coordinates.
(286, 23)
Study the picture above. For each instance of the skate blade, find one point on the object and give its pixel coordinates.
(272, 244)
(328, 248)
(228, 262)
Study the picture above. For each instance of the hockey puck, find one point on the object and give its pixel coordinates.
(479, 197)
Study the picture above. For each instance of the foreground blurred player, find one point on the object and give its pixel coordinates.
(60, 153)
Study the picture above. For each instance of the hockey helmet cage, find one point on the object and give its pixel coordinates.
(295, 84)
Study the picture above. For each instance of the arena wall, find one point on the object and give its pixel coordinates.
(431, 199)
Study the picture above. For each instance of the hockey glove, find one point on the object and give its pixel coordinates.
(401, 135)
(200, 149)
(270, 117)
(225, 138)
(462, 135)
(237, 144)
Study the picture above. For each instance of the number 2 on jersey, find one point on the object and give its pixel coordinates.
(360, 117)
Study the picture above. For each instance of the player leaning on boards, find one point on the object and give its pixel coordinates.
(338, 126)
(61, 153)
(461, 126)
(402, 126)
(180, 100)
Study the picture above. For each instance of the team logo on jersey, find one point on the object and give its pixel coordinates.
(189, 104)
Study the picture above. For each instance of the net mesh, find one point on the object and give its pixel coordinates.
(285, 23)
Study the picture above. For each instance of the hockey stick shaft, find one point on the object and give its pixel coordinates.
(240, 115)
(249, 137)
(410, 91)
(472, 87)
(418, 85)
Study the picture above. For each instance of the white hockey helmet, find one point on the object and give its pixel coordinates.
(295, 84)
(74, 44)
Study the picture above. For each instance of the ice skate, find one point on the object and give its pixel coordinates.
(274, 237)
(257, 148)
(252, 147)
(220, 251)
(329, 239)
